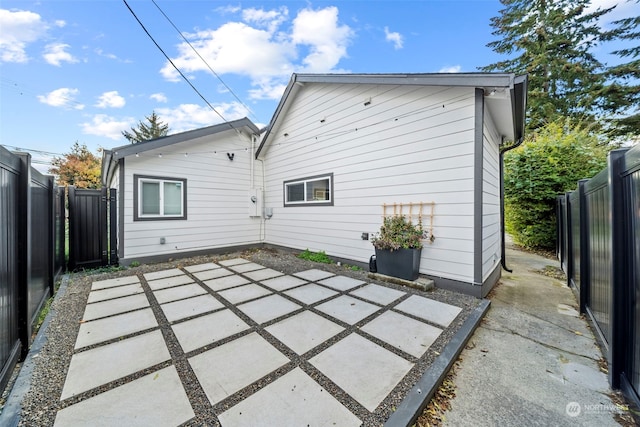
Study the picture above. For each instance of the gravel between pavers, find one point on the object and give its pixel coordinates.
(42, 402)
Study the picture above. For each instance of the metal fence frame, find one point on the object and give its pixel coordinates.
(599, 249)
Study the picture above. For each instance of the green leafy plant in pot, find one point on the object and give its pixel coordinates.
(398, 247)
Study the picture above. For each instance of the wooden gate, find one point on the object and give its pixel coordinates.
(90, 228)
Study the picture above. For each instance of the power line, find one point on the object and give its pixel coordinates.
(30, 150)
(174, 65)
(204, 61)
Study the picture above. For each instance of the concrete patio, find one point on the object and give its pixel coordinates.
(246, 344)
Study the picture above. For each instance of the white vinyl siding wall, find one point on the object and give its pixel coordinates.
(491, 251)
(217, 197)
(411, 144)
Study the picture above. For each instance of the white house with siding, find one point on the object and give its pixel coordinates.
(338, 149)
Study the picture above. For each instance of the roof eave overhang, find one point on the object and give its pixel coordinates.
(131, 149)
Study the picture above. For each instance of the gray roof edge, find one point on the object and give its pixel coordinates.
(427, 79)
(519, 108)
(276, 114)
(140, 147)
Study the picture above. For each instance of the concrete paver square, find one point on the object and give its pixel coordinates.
(310, 293)
(283, 282)
(366, 371)
(179, 292)
(304, 331)
(243, 293)
(313, 275)
(233, 261)
(268, 308)
(157, 399)
(207, 329)
(213, 274)
(177, 310)
(155, 275)
(292, 400)
(115, 306)
(225, 282)
(110, 283)
(405, 333)
(265, 273)
(110, 293)
(97, 331)
(380, 294)
(201, 267)
(168, 282)
(428, 309)
(100, 365)
(224, 370)
(348, 309)
(247, 266)
(341, 283)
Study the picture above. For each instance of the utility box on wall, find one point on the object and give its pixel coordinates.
(255, 202)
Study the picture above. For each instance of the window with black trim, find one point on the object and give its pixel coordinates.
(159, 198)
(309, 191)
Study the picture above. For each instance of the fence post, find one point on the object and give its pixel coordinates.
(24, 251)
(104, 242)
(569, 238)
(619, 324)
(113, 229)
(72, 231)
(585, 256)
(52, 233)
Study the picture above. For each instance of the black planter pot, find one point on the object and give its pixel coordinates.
(403, 263)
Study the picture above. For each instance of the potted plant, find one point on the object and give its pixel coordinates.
(398, 247)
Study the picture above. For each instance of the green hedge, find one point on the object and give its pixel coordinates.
(549, 163)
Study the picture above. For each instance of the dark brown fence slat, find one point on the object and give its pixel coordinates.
(87, 228)
(602, 229)
(10, 344)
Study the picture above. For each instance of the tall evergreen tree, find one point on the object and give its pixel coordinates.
(551, 40)
(144, 132)
(622, 94)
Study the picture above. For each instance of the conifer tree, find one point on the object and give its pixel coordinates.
(552, 40)
(144, 132)
(622, 94)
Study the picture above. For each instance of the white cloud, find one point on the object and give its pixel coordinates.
(63, 97)
(110, 100)
(191, 116)
(394, 37)
(328, 40)
(450, 69)
(107, 126)
(233, 48)
(270, 19)
(159, 97)
(55, 54)
(624, 9)
(260, 49)
(17, 30)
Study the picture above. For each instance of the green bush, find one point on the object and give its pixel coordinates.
(315, 256)
(549, 163)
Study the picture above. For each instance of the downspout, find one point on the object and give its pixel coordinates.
(503, 257)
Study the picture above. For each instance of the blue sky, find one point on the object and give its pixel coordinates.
(85, 70)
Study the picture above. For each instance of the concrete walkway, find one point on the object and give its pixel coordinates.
(533, 360)
(259, 347)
